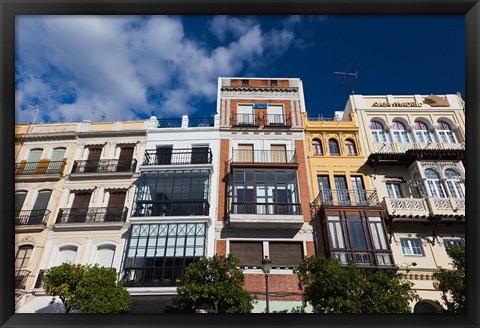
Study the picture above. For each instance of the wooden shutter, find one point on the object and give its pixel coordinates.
(249, 253)
(125, 159)
(285, 254)
(19, 200)
(36, 217)
(93, 159)
(116, 203)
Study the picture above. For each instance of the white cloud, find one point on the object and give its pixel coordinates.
(78, 67)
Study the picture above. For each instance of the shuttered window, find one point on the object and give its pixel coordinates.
(19, 200)
(23, 257)
(38, 213)
(34, 155)
(285, 254)
(66, 254)
(249, 253)
(105, 255)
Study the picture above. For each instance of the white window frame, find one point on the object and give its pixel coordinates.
(434, 186)
(400, 132)
(407, 242)
(379, 134)
(423, 134)
(445, 132)
(394, 189)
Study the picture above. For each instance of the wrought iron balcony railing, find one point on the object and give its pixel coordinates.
(153, 277)
(171, 208)
(92, 215)
(104, 165)
(345, 197)
(267, 208)
(31, 217)
(41, 167)
(21, 277)
(364, 258)
(264, 156)
(169, 156)
(279, 120)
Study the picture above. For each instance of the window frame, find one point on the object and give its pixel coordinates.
(333, 143)
(378, 132)
(410, 247)
(423, 132)
(317, 148)
(446, 133)
(400, 132)
(349, 146)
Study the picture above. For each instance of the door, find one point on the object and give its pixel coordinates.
(358, 190)
(275, 115)
(79, 210)
(164, 155)
(279, 153)
(325, 192)
(93, 159)
(56, 161)
(199, 155)
(115, 207)
(125, 159)
(40, 207)
(245, 153)
(341, 189)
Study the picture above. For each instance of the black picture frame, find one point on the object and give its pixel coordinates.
(11, 8)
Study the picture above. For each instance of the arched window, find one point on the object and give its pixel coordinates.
(422, 132)
(23, 257)
(19, 200)
(105, 255)
(317, 147)
(445, 132)
(453, 183)
(333, 147)
(350, 146)
(434, 185)
(378, 132)
(66, 254)
(400, 132)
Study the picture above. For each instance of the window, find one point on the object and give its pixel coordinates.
(245, 115)
(265, 192)
(333, 147)
(359, 190)
(394, 190)
(317, 147)
(125, 159)
(341, 189)
(454, 185)
(435, 187)
(93, 159)
(40, 207)
(245, 83)
(275, 115)
(445, 132)
(56, 161)
(22, 259)
(273, 83)
(283, 254)
(200, 154)
(105, 255)
(448, 243)
(19, 200)
(325, 192)
(157, 254)
(411, 247)
(359, 239)
(245, 153)
(33, 161)
(422, 132)
(250, 253)
(164, 155)
(378, 132)
(279, 153)
(350, 146)
(66, 254)
(400, 132)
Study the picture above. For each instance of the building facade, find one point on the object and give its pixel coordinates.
(415, 149)
(263, 189)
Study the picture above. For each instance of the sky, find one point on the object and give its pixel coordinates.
(133, 67)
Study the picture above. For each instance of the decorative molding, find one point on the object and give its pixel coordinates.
(28, 240)
(103, 134)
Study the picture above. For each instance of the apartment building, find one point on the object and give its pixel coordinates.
(349, 219)
(415, 150)
(174, 209)
(74, 187)
(263, 189)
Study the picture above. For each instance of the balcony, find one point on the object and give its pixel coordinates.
(345, 197)
(447, 207)
(42, 170)
(103, 167)
(266, 120)
(364, 258)
(31, 219)
(21, 277)
(240, 156)
(395, 147)
(406, 207)
(171, 208)
(178, 156)
(153, 277)
(266, 215)
(419, 209)
(100, 217)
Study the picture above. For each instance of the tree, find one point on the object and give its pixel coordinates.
(331, 288)
(87, 288)
(452, 282)
(215, 284)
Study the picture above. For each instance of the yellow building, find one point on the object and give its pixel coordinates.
(346, 210)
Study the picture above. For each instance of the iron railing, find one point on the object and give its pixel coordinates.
(264, 156)
(364, 258)
(279, 120)
(31, 217)
(153, 277)
(171, 208)
(42, 167)
(345, 197)
(21, 277)
(321, 118)
(104, 165)
(92, 215)
(167, 156)
(196, 122)
(266, 208)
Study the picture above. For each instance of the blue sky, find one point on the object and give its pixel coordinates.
(132, 67)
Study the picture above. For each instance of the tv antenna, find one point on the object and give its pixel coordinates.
(35, 108)
(103, 117)
(350, 77)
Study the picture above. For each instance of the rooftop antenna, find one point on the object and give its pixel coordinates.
(103, 117)
(350, 77)
(35, 108)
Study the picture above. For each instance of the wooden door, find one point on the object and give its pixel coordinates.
(79, 210)
(93, 159)
(125, 159)
(115, 206)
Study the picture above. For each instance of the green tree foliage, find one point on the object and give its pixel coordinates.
(87, 288)
(452, 282)
(331, 288)
(215, 284)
